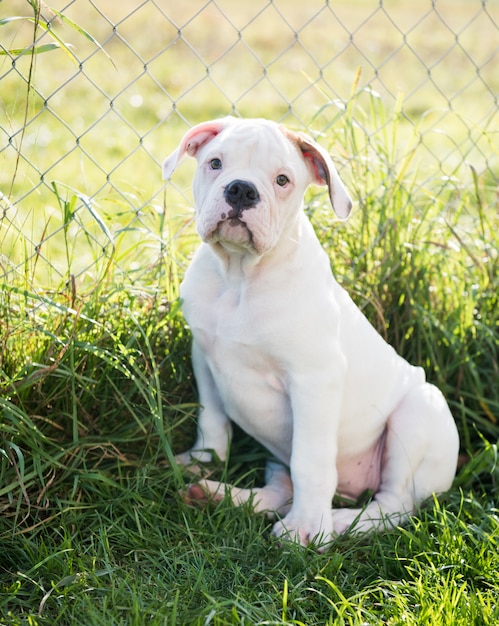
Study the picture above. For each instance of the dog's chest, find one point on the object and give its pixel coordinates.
(238, 349)
(234, 340)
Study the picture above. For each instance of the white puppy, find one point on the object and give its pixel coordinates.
(280, 348)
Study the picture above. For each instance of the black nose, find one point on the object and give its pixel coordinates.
(241, 194)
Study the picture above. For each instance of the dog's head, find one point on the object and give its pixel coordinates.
(250, 181)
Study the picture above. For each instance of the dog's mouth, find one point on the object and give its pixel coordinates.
(233, 231)
(235, 221)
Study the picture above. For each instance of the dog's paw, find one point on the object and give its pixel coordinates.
(195, 495)
(204, 492)
(305, 531)
(298, 535)
(191, 457)
(344, 520)
(193, 460)
(371, 518)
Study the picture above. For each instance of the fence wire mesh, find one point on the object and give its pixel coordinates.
(94, 94)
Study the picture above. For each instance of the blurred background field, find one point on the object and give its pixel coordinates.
(96, 120)
(96, 388)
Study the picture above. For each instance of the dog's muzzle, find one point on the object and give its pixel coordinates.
(232, 228)
(240, 195)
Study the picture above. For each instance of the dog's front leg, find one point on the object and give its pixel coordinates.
(214, 430)
(316, 403)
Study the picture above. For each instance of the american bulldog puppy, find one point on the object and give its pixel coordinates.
(280, 348)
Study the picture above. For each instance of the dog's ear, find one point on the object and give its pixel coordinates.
(196, 137)
(323, 172)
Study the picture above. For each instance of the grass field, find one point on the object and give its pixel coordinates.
(96, 389)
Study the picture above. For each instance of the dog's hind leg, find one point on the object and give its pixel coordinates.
(275, 497)
(419, 459)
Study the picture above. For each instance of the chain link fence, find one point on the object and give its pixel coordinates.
(94, 94)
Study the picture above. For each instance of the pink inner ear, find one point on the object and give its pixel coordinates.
(199, 136)
(320, 174)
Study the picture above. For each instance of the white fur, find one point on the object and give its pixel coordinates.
(280, 349)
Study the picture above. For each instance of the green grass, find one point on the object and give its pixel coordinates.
(96, 389)
(129, 552)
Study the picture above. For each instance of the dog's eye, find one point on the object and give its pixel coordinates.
(282, 180)
(216, 164)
